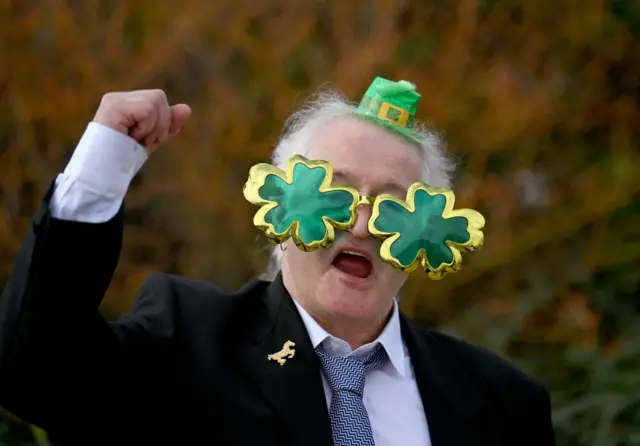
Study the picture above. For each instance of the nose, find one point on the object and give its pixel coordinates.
(361, 230)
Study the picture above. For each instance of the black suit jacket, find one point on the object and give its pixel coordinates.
(188, 365)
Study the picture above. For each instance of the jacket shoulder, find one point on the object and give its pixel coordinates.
(521, 401)
(493, 369)
(192, 298)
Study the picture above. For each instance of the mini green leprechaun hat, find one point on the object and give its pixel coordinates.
(392, 105)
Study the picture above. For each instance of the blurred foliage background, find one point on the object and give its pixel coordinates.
(539, 101)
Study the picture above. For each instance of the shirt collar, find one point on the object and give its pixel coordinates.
(390, 338)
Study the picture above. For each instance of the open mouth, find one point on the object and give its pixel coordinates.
(353, 263)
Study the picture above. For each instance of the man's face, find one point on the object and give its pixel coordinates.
(349, 280)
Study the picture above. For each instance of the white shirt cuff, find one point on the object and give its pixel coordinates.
(105, 161)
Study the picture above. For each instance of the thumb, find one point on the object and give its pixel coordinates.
(179, 114)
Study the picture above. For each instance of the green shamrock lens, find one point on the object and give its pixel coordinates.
(300, 203)
(425, 231)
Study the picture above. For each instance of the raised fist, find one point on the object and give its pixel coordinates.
(144, 115)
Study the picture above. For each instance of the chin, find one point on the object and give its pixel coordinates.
(346, 295)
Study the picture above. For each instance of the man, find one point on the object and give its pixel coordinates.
(319, 355)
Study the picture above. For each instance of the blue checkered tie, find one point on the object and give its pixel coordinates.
(349, 419)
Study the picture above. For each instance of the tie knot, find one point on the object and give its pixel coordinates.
(348, 373)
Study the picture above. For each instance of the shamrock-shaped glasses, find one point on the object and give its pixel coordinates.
(422, 231)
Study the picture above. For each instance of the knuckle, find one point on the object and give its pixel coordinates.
(150, 106)
(109, 98)
(158, 95)
(147, 107)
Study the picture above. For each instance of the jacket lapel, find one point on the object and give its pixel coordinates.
(294, 389)
(452, 400)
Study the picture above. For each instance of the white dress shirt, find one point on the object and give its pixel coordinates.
(91, 190)
(391, 394)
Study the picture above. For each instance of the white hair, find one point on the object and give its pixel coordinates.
(304, 125)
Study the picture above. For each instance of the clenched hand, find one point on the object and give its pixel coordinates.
(144, 115)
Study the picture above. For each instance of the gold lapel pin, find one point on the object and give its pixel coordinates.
(287, 352)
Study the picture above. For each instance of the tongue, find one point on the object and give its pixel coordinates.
(353, 265)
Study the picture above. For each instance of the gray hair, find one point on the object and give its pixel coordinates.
(305, 123)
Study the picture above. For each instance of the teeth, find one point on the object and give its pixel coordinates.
(354, 253)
